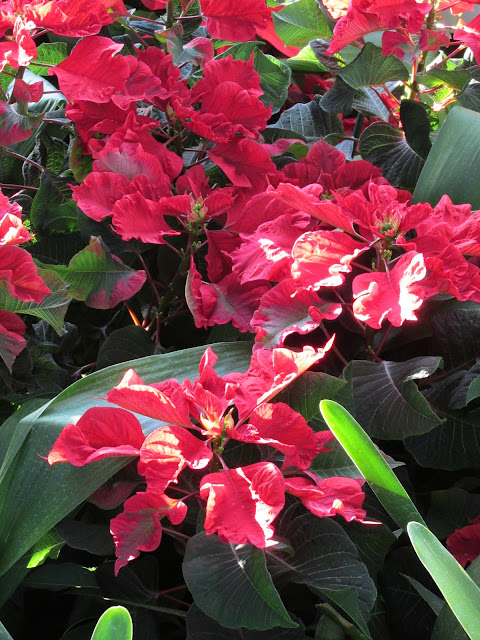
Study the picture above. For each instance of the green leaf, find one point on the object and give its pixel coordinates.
(275, 78)
(300, 22)
(53, 307)
(231, 584)
(36, 496)
(127, 343)
(469, 97)
(451, 509)
(61, 575)
(447, 627)
(310, 120)
(453, 166)
(473, 390)
(456, 79)
(114, 624)
(53, 209)
(325, 560)
(306, 61)
(387, 401)
(416, 126)
(458, 589)
(48, 53)
(372, 69)
(99, 278)
(342, 98)
(386, 147)
(435, 603)
(4, 635)
(371, 464)
(16, 124)
(455, 443)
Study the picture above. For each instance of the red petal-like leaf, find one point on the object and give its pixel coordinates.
(245, 162)
(325, 498)
(242, 503)
(16, 124)
(234, 21)
(138, 528)
(20, 274)
(12, 341)
(100, 433)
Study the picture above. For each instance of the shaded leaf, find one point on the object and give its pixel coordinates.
(231, 584)
(16, 124)
(416, 126)
(310, 120)
(372, 69)
(58, 576)
(53, 209)
(201, 627)
(388, 403)
(469, 97)
(127, 343)
(342, 98)
(275, 77)
(451, 509)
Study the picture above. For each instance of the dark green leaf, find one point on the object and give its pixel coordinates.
(324, 559)
(16, 124)
(310, 120)
(388, 403)
(300, 22)
(473, 389)
(372, 69)
(451, 509)
(97, 277)
(373, 544)
(127, 343)
(456, 79)
(386, 147)
(451, 321)
(275, 77)
(53, 209)
(231, 584)
(201, 627)
(342, 98)
(469, 97)
(58, 576)
(416, 126)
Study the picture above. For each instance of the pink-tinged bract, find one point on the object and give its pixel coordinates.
(138, 528)
(245, 162)
(234, 21)
(329, 497)
(242, 503)
(19, 273)
(100, 433)
(12, 341)
(392, 295)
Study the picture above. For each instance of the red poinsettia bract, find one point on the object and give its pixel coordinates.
(241, 503)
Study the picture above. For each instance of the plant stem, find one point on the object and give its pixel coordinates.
(7, 152)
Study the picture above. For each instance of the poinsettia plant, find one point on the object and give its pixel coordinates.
(182, 172)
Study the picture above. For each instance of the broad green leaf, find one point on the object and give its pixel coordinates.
(114, 624)
(373, 544)
(370, 462)
(53, 307)
(300, 22)
(372, 69)
(387, 401)
(473, 390)
(240, 51)
(458, 589)
(451, 509)
(455, 443)
(310, 120)
(386, 147)
(231, 584)
(342, 98)
(48, 53)
(61, 575)
(453, 166)
(416, 126)
(347, 601)
(456, 79)
(434, 602)
(97, 277)
(201, 627)
(275, 77)
(53, 209)
(447, 626)
(469, 97)
(325, 560)
(306, 61)
(35, 496)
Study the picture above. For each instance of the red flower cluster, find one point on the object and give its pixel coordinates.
(464, 543)
(198, 417)
(18, 273)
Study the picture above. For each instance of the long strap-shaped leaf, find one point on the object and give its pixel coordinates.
(114, 624)
(458, 589)
(370, 463)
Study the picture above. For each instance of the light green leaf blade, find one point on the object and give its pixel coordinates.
(48, 53)
(458, 589)
(370, 462)
(4, 635)
(114, 624)
(300, 22)
(372, 69)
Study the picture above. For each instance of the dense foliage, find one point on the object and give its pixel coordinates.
(228, 213)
